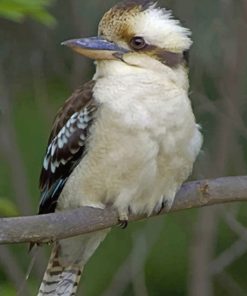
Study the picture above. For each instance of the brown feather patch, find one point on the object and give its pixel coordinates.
(171, 59)
(66, 144)
(73, 104)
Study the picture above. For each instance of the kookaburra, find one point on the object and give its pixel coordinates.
(127, 138)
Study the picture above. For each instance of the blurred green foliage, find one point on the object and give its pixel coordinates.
(17, 10)
(7, 208)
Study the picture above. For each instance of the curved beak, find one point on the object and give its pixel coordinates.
(96, 48)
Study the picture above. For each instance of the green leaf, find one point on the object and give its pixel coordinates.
(18, 10)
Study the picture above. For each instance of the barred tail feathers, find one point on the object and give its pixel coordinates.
(60, 280)
(66, 264)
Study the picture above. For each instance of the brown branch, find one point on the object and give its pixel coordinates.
(45, 228)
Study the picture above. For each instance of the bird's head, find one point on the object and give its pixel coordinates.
(135, 31)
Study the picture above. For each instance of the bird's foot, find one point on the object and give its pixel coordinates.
(163, 206)
(123, 220)
(160, 207)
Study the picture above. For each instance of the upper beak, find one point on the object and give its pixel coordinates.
(96, 48)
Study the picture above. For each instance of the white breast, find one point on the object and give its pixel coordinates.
(143, 145)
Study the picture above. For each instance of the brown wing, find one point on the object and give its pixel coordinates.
(66, 144)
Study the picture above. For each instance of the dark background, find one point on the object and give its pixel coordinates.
(196, 252)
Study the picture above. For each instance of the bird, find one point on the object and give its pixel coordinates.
(127, 138)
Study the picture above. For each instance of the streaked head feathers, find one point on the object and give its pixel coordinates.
(137, 29)
(144, 18)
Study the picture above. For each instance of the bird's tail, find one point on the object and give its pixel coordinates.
(66, 263)
(60, 280)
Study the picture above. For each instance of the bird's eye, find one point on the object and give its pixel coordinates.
(137, 43)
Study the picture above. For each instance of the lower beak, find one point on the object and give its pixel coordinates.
(96, 48)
